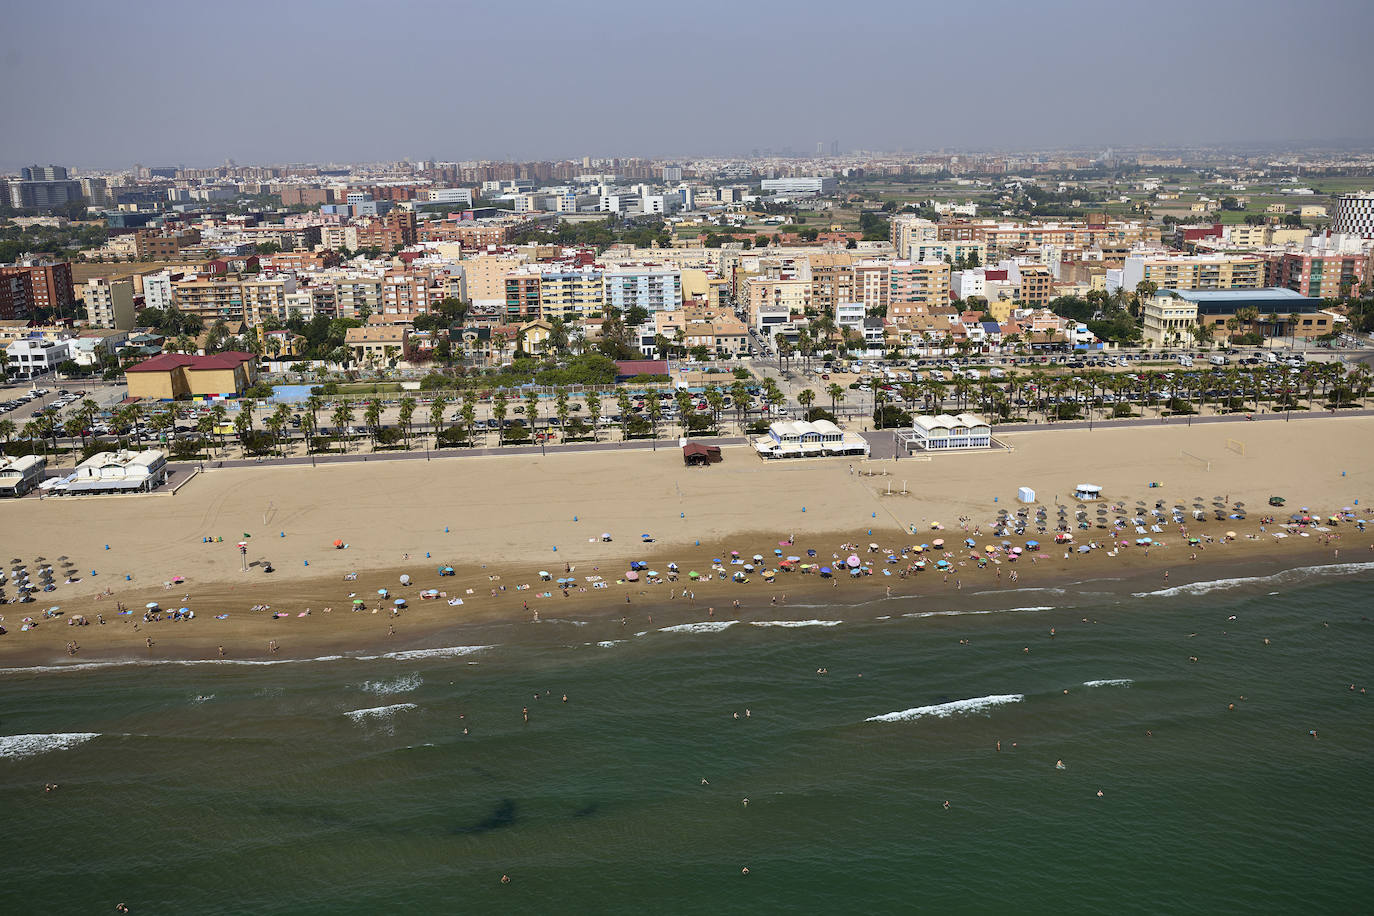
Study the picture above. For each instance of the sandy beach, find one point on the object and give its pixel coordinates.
(513, 516)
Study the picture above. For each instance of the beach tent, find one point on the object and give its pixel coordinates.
(1025, 495)
(1086, 491)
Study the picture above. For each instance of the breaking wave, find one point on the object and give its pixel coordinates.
(946, 710)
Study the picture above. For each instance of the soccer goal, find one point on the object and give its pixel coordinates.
(1198, 460)
(1237, 446)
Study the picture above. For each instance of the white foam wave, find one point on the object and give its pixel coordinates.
(945, 710)
(411, 654)
(1111, 682)
(17, 746)
(609, 643)
(1297, 574)
(709, 626)
(408, 655)
(795, 623)
(1010, 610)
(403, 684)
(378, 712)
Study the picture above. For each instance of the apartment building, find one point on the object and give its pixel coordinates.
(1198, 271)
(917, 283)
(832, 280)
(1319, 270)
(872, 283)
(652, 287)
(1169, 320)
(266, 297)
(109, 303)
(571, 293)
(410, 292)
(356, 295)
(522, 296)
(46, 284)
(774, 302)
(908, 233)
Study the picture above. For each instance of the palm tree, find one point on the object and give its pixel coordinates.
(468, 414)
(372, 416)
(593, 399)
(407, 413)
(436, 416)
(342, 417)
(34, 430)
(219, 412)
(275, 423)
(7, 428)
(532, 410)
(739, 395)
(654, 408)
(75, 429)
(784, 352)
(622, 400)
(715, 399)
(310, 429)
(498, 413)
(805, 398)
(560, 410)
(283, 417)
(684, 407)
(836, 393)
(243, 425)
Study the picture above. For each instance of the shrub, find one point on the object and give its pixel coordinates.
(890, 416)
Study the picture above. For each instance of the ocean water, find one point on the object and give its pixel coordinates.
(346, 785)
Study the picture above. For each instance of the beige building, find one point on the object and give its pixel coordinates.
(377, 344)
(1169, 321)
(176, 375)
(486, 276)
(1200, 271)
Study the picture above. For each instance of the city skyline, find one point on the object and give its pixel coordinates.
(310, 82)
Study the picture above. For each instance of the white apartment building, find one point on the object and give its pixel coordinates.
(31, 357)
(816, 185)
(157, 290)
(850, 315)
(655, 287)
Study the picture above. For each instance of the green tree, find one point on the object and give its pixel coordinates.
(622, 398)
(836, 393)
(468, 413)
(560, 410)
(372, 416)
(594, 412)
(498, 413)
(436, 416)
(532, 410)
(806, 397)
(406, 415)
(342, 418)
(683, 399)
(653, 408)
(739, 396)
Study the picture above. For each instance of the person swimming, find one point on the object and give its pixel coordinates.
(1059, 765)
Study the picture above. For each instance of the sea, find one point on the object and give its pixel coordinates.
(1090, 749)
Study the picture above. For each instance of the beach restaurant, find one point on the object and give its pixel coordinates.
(800, 439)
(20, 475)
(945, 432)
(114, 472)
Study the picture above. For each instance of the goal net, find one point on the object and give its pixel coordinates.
(1237, 446)
(1196, 460)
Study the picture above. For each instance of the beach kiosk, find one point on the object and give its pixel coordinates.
(1087, 491)
(1025, 495)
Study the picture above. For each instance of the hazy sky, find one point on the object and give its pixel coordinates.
(102, 84)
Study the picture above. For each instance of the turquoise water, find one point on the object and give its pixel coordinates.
(346, 785)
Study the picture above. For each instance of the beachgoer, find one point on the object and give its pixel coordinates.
(525, 711)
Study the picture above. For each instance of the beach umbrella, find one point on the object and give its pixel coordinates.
(968, 542)
(748, 567)
(358, 601)
(777, 551)
(653, 574)
(405, 580)
(794, 559)
(544, 574)
(632, 576)
(758, 558)
(672, 567)
(938, 542)
(872, 546)
(739, 577)
(942, 564)
(338, 542)
(605, 536)
(734, 553)
(399, 602)
(382, 592)
(853, 561)
(694, 575)
(1230, 534)
(716, 560)
(825, 570)
(151, 604)
(768, 574)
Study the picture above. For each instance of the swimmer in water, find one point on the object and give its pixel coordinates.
(704, 782)
(1059, 764)
(946, 804)
(1099, 793)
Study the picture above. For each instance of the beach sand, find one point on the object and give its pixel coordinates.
(506, 515)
